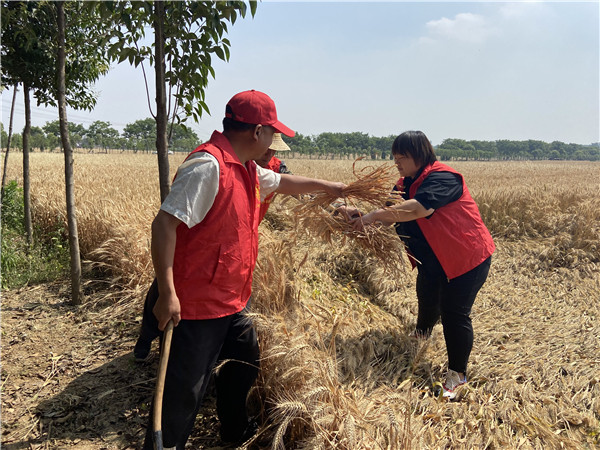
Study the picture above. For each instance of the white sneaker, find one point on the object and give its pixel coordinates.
(453, 381)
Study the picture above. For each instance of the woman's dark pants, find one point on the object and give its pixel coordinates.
(451, 300)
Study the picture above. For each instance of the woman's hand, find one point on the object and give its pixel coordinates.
(359, 223)
(348, 212)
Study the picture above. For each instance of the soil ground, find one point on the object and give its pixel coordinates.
(69, 378)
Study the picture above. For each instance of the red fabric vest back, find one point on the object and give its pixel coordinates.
(214, 260)
(455, 232)
(273, 165)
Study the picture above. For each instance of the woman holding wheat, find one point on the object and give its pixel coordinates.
(447, 242)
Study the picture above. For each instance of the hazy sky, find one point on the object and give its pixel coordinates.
(474, 70)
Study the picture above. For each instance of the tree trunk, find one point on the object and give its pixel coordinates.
(161, 101)
(10, 125)
(26, 180)
(76, 292)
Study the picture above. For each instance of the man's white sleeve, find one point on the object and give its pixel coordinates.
(268, 180)
(194, 190)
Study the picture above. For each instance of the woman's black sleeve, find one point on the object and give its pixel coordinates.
(439, 189)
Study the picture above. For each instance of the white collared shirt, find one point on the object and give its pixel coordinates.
(197, 184)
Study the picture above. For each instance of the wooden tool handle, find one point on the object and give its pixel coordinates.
(160, 384)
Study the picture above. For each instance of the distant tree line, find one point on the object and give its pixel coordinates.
(352, 145)
(342, 145)
(141, 136)
(459, 149)
(137, 136)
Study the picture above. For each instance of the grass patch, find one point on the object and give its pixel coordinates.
(48, 257)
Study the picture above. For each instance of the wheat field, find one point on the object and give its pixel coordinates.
(338, 369)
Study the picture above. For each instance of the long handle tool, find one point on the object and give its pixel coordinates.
(160, 385)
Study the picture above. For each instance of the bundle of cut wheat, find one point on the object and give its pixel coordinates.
(379, 242)
(372, 187)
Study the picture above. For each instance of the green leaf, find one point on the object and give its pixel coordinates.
(123, 56)
(204, 107)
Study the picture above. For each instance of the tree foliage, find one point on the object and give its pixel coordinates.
(193, 33)
(504, 149)
(186, 36)
(138, 136)
(29, 49)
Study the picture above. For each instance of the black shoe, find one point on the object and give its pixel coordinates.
(233, 439)
(141, 351)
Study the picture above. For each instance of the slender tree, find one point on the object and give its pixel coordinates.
(26, 179)
(10, 126)
(35, 53)
(162, 117)
(76, 293)
(20, 54)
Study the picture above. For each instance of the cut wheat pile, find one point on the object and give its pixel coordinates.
(371, 188)
(337, 368)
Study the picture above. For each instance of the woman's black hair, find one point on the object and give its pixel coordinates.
(416, 145)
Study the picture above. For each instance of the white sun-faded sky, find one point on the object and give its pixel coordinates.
(473, 70)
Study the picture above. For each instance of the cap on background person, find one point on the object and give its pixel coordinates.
(255, 107)
(279, 144)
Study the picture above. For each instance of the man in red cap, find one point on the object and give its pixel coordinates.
(204, 248)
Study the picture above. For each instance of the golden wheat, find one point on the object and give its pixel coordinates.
(337, 367)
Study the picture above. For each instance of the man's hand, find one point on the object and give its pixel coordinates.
(335, 188)
(167, 307)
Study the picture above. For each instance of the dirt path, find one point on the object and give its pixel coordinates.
(69, 378)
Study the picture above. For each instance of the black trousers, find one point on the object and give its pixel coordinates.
(196, 347)
(451, 300)
(149, 330)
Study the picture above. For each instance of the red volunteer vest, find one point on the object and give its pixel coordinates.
(273, 165)
(455, 232)
(214, 260)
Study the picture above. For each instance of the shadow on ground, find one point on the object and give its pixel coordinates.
(109, 403)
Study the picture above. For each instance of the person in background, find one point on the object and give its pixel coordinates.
(204, 248)
(271, 162)
(447, 242)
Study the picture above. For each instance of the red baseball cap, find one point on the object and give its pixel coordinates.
(257, 108)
